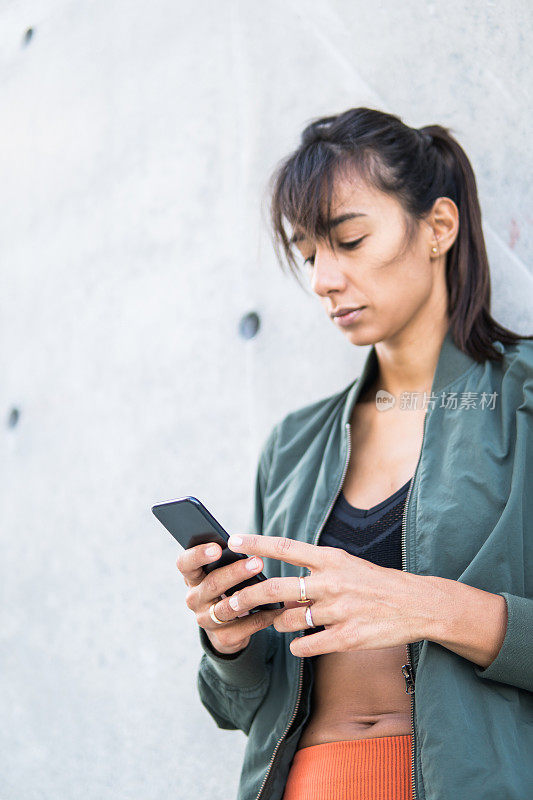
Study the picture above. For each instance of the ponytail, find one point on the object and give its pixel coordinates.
(467, 268)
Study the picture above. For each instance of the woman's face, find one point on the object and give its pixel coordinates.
(367, 268)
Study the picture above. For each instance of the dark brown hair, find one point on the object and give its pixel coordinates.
(414, 165)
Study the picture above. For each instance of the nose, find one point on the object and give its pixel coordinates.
(327, 274)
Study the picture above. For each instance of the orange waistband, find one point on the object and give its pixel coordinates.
(358, 769)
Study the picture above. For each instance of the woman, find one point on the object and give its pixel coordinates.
(392, 518)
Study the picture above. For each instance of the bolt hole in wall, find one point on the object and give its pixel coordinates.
(249, 325)
(13, 418)
(28, 36)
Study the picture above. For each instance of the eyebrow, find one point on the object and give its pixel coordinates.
(334, 221)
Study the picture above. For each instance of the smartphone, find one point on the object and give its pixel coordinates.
(191, 524)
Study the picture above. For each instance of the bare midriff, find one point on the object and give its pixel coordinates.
(358, 695)
(361, 694)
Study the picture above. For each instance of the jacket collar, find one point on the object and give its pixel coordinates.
(451, 364)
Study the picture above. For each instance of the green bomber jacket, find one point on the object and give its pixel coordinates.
(468, 517)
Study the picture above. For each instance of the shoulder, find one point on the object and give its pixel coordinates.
(518, 355)
(514, 376)
(306, 421)
(291, 437)
(517, 363)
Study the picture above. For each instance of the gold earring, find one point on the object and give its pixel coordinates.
(434, 250)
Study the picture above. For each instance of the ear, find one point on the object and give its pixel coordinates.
(443, 220)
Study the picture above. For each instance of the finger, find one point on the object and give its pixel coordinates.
(315, 644)
(232, 634)
(273, 590)
(191, 561)
(294, 619)
(247, 623)
(219, 581)
(292, 604)
(301, 554)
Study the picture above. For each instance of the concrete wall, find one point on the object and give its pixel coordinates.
(137, 139)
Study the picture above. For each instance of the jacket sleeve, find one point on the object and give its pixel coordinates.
(232, 687)
(514, 662)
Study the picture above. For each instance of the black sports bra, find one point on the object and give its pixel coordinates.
(373, 533)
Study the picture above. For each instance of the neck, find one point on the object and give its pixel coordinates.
(408, 360)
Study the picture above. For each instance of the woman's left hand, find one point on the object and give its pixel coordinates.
(362, 606)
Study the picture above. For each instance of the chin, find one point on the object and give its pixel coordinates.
(363, 337)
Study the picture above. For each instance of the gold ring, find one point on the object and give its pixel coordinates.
(303, 596)
(213, 615)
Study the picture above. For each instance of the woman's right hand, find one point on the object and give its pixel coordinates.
(206, 589)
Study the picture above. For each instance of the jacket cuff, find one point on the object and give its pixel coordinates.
(514, 662)
(244, 669)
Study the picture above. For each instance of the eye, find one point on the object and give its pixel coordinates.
(310, 260)
(352, 245)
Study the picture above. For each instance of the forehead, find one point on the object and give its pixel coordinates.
(352, 200)
(348, 187)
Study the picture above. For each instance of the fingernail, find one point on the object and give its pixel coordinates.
(234, 541)
(252, 563)
(234, 602)
(211, 551)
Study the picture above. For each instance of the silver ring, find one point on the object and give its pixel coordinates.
(213, 615)
(309, 618)
(303, 596)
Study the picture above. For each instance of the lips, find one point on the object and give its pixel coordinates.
(344, 320)
(341, 312)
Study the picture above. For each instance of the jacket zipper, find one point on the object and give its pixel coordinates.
(301, 633)
(408, 669)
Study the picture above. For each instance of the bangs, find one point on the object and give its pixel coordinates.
(302, 196)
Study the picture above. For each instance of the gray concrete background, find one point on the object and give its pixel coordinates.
(137, 139)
